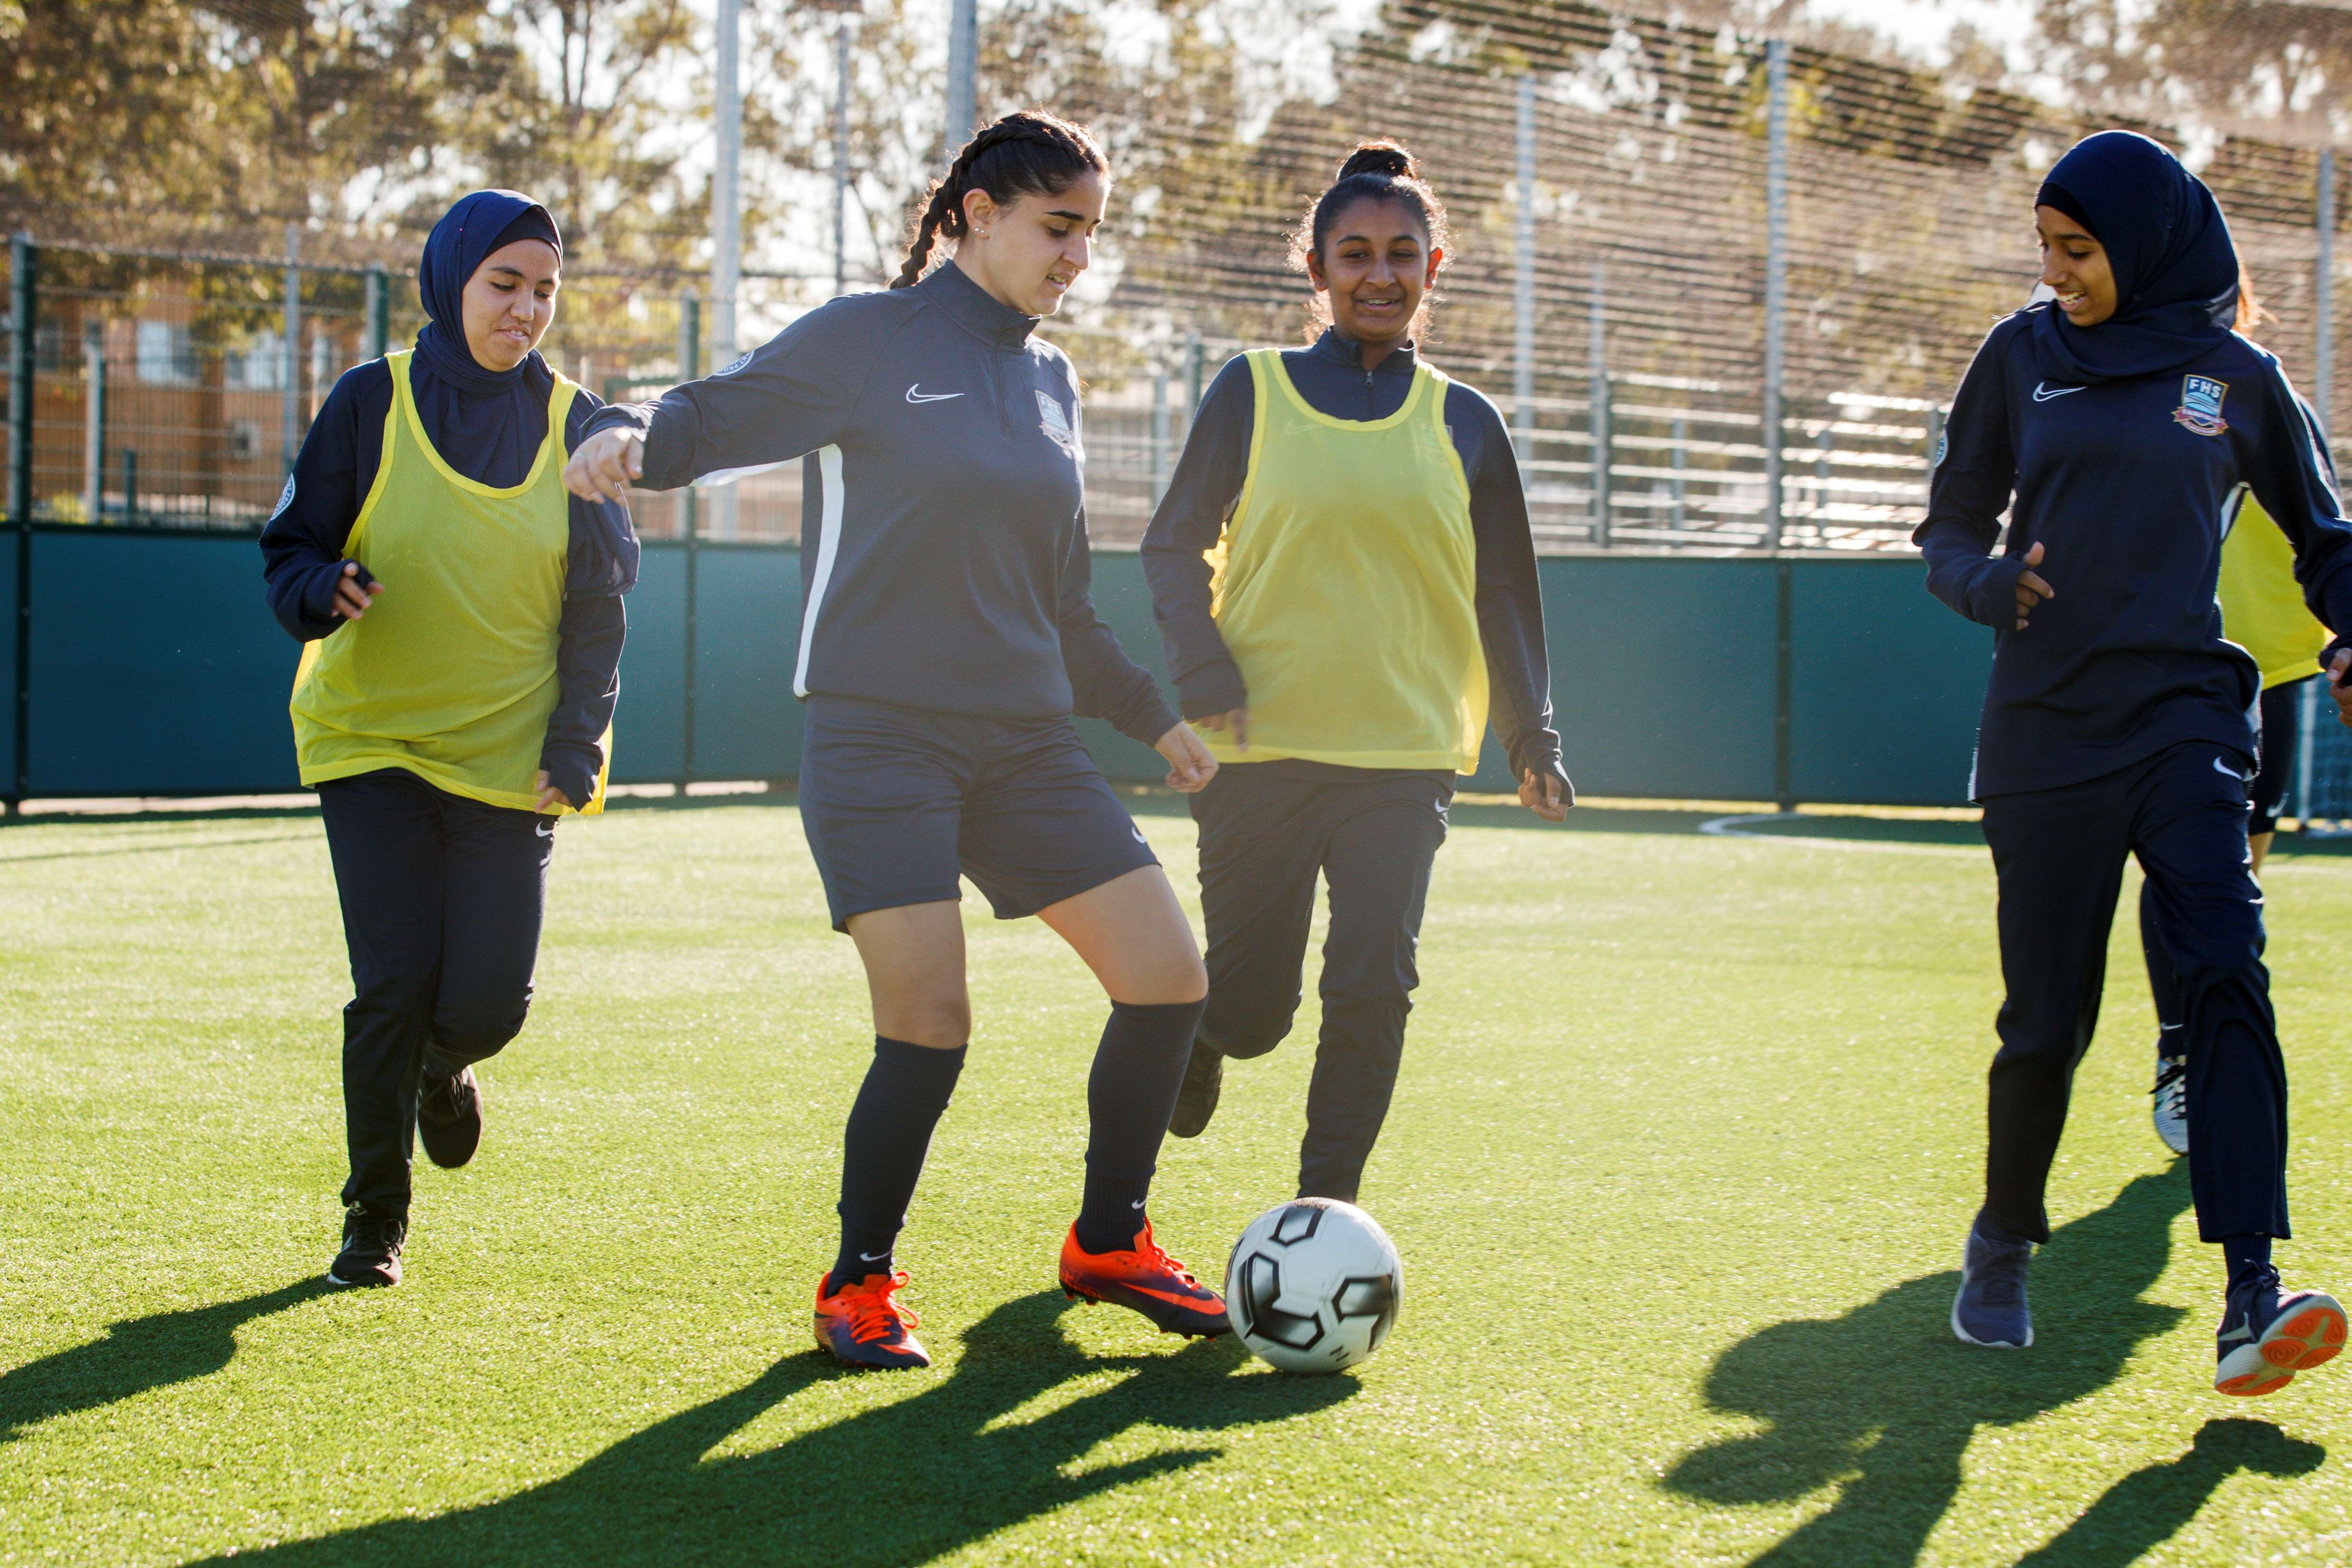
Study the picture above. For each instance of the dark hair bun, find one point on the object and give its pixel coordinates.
(1382, 157)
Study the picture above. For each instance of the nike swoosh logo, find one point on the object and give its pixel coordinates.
(2043, 392)
(871, 1257)
(2237, 1333)
(915, 396)
(547, 830)
(2226, 772)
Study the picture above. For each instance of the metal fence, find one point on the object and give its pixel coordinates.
(1833, 235)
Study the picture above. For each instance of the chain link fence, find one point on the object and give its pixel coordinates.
(1719, 287)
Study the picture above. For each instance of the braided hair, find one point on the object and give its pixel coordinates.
(1030, 153)
(1382, 171)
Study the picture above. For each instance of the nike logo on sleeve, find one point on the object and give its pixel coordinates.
(2043, 392)
(915, 396)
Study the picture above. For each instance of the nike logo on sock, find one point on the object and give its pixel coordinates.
(871, 1257)
(1137, 1205)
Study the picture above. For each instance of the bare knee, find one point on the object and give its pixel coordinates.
(941, 1018)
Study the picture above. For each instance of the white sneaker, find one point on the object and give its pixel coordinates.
(2172, 1102)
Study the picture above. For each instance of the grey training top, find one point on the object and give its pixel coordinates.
(943, 536)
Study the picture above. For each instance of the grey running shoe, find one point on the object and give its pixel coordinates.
(1990, 1308)
(1196, 1101)
(2172, 1102)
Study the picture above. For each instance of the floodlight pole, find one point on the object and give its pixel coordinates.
(963, 62)
(726, 220)
(1776, 305)
(379, 312)
(689, 366)
(23, 266)
(841, 155)
(291, 401)
(2323, 355)
(1523, 292)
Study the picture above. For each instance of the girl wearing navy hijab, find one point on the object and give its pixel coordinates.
(462, 626)
(2124, 416)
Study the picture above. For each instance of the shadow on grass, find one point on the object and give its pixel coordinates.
(900, 1483)
(2148, 1508)
(135, 1356)
(1885, 1401)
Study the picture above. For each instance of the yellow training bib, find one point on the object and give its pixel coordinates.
(451, 674)
(1346, 585)
(2263, 610)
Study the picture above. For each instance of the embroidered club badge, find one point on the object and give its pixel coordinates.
(1056, 424)
(2201, 404)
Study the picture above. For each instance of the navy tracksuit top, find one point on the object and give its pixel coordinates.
(943, 543)
(2128, 485)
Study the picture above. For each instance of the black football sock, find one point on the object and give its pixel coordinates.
(1992, 1229)
(906, 1089)
(1130, 1095)
(2248, 1256)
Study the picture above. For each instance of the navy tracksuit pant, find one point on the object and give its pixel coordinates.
(442, 897)
(2059, 854)
(1268, 831)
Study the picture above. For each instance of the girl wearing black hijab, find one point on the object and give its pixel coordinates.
(462, 623)
(2124, 416)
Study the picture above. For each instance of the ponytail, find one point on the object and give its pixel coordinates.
(1028, 153)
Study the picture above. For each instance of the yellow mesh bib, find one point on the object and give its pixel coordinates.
(451, 673)
(2262, 603)
(1346, 585)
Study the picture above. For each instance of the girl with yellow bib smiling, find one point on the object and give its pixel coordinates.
(463, 623)
(1345, 580)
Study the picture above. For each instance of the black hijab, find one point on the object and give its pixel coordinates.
(2176, 270)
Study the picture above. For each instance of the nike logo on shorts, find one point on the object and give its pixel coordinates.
(1139, 839)
(2226, 772)
(915, 396)
(2043, 392)
(547, 830)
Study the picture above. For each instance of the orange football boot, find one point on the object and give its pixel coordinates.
(863, 1327)
(1145, 1279)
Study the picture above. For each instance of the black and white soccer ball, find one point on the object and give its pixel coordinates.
(1314, 1285)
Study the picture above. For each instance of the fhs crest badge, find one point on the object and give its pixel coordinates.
(1056, 423)
(2201, 404)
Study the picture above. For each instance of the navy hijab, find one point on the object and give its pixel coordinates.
(487, 423)
(2176, 270)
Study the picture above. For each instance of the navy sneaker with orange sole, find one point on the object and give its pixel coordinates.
(1147, 1279)
(2268, 1335)
(860, 1325)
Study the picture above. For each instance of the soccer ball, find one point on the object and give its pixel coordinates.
(1314, 1285)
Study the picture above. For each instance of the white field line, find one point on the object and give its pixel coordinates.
(1736, 828)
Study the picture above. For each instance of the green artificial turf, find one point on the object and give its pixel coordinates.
(1687, 1137)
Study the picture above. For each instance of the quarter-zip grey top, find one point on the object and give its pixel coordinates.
(943, 539)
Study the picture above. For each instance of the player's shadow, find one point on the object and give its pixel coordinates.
(900, 1483)
(2148, 1508)
(134, 1356)
(1886, 1401)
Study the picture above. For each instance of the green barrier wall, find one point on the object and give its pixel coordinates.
(157, 669)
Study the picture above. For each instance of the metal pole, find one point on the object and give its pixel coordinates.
(1602, 442)
(291, 401)
(689, 365)
(379, 312)
(2322, 355)
(964, 58)
(1523, 293)
(727, 222)
(23, 266)
(1679, 431)
(1776, 274)
(93, 428)
(1776, 298)
(2306, 741)
(841, 155)
(1195, 369)
(1159, 438)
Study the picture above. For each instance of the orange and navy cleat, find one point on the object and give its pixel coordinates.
(863, 1327)
(2267, 1336)
(1145, 1279)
